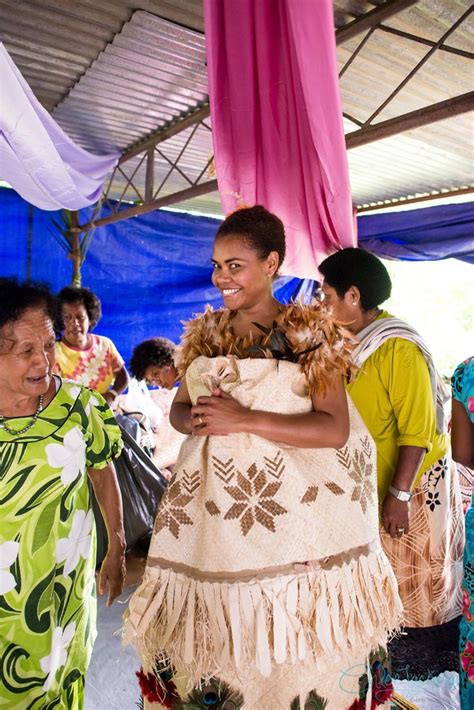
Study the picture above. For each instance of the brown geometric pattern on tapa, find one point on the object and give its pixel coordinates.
(360, 470)
(334, 488)
(275, 467)
(225, 470)
(171, 513)
(366, 446)
(191, 481)
(212, 507)
(254, 500)
(310, 495)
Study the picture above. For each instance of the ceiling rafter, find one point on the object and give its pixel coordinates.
(409, 121)
(425, 41)
(419, 65)
(382, 205)
(372, 18)
(147, 150)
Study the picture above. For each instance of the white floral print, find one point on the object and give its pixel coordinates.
(8, 555)
(93, 402)
(58, 656)
(70, 549)
(70, 455)
(75, 390)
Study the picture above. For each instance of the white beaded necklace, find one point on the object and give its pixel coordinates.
(3, 423)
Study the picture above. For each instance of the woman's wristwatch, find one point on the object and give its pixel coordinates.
(114, 392)
(404, 496)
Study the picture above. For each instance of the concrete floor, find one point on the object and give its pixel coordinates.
(111, 683)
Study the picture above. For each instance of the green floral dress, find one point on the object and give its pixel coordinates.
(47, 549)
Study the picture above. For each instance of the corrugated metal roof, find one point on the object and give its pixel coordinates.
(152, 73)
(113, 72)
(53, 42)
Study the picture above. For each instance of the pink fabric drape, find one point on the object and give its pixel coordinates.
(277, 120)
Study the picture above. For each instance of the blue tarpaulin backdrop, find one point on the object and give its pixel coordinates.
(150, 272)
(153, 271)
(426, 234)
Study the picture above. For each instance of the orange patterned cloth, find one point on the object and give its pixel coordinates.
(427, 561)
(95, 367)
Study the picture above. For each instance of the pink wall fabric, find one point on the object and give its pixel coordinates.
(277, 120)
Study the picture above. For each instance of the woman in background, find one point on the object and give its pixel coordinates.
(84, 357)
(400, 398)
(94, 361)
(152, 363)
(462, 441)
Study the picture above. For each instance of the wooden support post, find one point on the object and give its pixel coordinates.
(75, 253)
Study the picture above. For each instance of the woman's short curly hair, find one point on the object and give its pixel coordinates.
(157, 352)
(263, 231)
(76, 294)
(18, 296)
(357, 267)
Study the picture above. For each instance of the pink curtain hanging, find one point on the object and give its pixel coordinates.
(277, 120)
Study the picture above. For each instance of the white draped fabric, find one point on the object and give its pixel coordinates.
(37, 158)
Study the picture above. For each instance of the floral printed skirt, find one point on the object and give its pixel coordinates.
(428, 560)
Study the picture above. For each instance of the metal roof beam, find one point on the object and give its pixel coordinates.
(412, 200)
(171, 130)
(427, 42)
(372, 18)
(414, 119)
(195, 191)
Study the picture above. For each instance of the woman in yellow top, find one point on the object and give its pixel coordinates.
(400, 398)
(84, 357)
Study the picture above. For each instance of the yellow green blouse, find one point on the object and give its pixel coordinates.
(393, 394)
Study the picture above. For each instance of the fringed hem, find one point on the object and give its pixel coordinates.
(224, 629)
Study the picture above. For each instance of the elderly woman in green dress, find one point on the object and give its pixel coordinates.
(52, 433)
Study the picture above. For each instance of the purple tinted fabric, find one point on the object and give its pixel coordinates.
(421, 235)
(37, 158)
(277, 120)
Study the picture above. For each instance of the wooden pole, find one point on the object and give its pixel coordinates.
(75, 253)
(150, 174)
